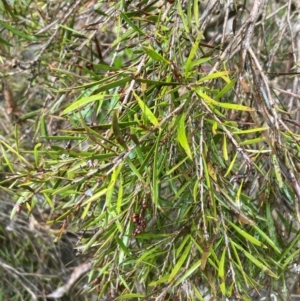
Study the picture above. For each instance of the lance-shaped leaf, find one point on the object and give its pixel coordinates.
(225, 105)
(221, 272)
(117, 131)
(258, 263)
(17, 32)
(155, 55)
(194, 49)
(181, 136)
(246, 235)
(146, 110)
(180, 262)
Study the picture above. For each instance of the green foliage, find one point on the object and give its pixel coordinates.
(174, 176)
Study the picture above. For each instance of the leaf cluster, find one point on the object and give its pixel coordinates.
(171, 160)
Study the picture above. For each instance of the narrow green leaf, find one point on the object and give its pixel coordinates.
(225, 152)
(120, 194)
(196, 288)
(213, 76)
(14, 211)
(252, 141)
(43, 125)
(246, 235)
(182, 16)
(188, 273)
(161, 280)
(122, 246)
(180, 262)
(71, 30)
(270, 223)
(221, 269)
(290, 247)
(92, 240)
(225, 105)
(227, 88)
(49, 200)
(155, 55)
(206, 173)
(196, 12)
(156, 172)
(117, 131)
(194, 49)
(258, 263)
(221, 272)
(200, 61)
(2, 41)
(156, 82)
(146, 110)
(12, 150)
(131, 24)
(71, 26)
(7, 161)
(95, 197)
(181, 136)
(148, 254)
(82, 102)
(266, 238)
(239, 264)
(63, 189)
(182, 245)
(17, 32)
(196, 191)
(36, 154)
(238, 194)
(261, 129)
(189, 13)
(111, 187)
(290, 259)
(170, 171)
(85, 211)
(230, 165)
(130, 32)
(63, 138)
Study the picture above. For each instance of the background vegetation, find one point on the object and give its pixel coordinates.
(149, 151)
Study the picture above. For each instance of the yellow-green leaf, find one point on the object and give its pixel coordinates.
(221, 269)
(267, 238)
(225, 152)
(36, 154)
(194, 49)
(160, 280)
(225, 105)
(95, 196)
(146, 110)
(221, 272)
(227, 88)
(247, 236)
(17, 32)
(213, 75)
(258, 263)
(181, 136)
(231, 165)
(180, 262)
(189, 272)
(252, 141)
(130, 23)
(264, 128)
(82, 102)
(155, 55)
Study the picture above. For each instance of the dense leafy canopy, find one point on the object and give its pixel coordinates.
(167, 160)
